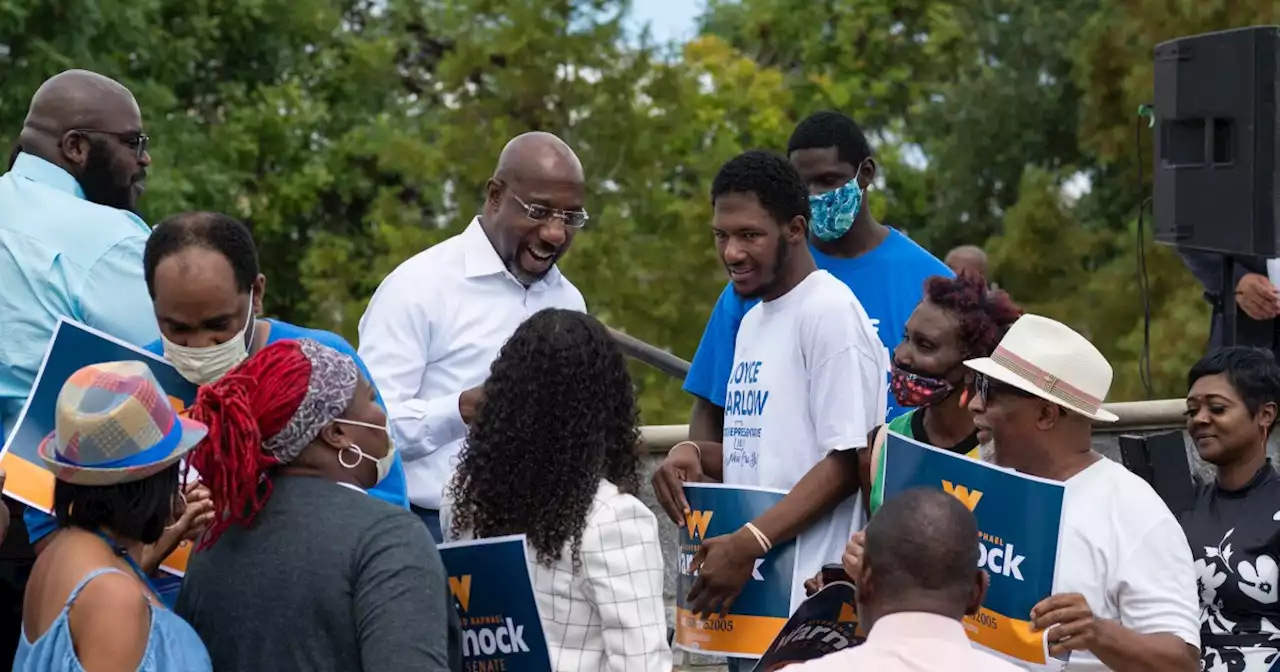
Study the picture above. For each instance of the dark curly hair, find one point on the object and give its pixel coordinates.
(831, 129)
(769, 177)
(984, 314)
(559, 414)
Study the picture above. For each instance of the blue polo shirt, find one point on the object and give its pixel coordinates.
(888, 280)
(392, 489)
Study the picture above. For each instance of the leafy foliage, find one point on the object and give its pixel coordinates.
(351, 134)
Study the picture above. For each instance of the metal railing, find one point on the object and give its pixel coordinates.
(657, 358)
(1135, 416)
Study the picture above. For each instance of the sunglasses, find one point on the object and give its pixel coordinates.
(988, 388)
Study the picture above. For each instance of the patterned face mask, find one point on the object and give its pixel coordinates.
(912, 390)
(832, 213)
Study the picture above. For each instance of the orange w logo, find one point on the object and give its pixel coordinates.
(460, 586)
(966, 496)
(697, 522)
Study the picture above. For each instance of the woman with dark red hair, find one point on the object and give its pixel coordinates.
(303, 570)
(958, 319)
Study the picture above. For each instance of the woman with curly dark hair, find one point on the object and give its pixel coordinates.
(552, 455)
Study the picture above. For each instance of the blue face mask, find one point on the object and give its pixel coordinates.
(833, 212)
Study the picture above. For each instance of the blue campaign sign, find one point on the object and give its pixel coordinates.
(73, 347)
(1019, 522)
(764, 605)
(491, 588)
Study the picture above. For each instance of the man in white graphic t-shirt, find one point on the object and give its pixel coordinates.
(807, 385)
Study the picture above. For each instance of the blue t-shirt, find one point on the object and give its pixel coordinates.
(888, 281)
(392, 489)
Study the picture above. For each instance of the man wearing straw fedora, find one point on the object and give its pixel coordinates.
(1125, 595)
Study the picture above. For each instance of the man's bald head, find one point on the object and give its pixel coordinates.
(922, 548)
(969, 258)
(90, 126)
(538, 155)
(534, 204)
(79, 99)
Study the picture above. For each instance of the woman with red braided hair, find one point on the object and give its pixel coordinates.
(303, 571)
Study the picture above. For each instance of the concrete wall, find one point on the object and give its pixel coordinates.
(1104, 442)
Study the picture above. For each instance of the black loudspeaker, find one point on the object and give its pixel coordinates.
(1216, 139)
(1161, 460)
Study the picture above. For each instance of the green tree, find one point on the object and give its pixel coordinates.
(352, 134)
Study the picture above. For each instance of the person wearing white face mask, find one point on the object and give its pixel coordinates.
(202, 272)
(305, 571)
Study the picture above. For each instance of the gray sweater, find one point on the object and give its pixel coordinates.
(328, 579)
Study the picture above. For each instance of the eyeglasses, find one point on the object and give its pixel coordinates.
(986, 388)
(134, 140)
(574, 219)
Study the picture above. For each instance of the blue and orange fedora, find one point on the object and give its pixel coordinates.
(114, 424)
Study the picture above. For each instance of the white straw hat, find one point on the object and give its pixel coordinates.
(1050, 360)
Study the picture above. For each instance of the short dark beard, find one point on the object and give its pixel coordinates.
(780, 259)
(100, 181)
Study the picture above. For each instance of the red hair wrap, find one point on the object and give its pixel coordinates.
(247, 406)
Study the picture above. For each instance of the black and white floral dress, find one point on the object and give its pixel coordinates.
(1235, 540)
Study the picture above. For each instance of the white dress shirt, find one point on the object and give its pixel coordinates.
(610, 615)
(431, 331)
(911, 642)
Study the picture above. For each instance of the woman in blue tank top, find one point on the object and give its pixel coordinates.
(117, 454)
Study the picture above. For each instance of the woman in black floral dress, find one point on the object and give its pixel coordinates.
(1234, 525)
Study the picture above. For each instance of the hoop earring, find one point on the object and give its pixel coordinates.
(353, 465)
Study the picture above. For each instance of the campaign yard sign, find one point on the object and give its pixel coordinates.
(763, 607)
(493, 593)
(1019, 523)
(825, 623)
(73, 347)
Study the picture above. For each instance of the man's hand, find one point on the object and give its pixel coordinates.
(1257, 297)
(813, 585)
(194, 520)
(4, 511)
(1068, 619)
(852, 558)
(682, 465)
(724, 565)
(469, 402)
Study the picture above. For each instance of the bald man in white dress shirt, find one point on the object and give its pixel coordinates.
(437, 322)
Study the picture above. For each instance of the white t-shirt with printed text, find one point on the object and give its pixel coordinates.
(807, 379)
(1123, 550)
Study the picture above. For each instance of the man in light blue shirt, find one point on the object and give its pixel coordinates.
(70, 244)
(69, 241)
(884, 268)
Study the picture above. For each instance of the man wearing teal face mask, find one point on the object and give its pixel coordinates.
(884, 268)
(206, 288)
